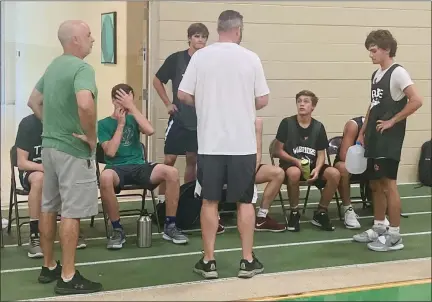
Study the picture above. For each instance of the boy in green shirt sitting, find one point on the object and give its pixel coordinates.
(119, 136)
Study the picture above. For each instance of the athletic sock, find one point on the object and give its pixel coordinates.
(34, 226)
(393, 230)
(262, 213)
(161, 198)
(116, 224)
(379, 222)
(68, 279)
(52, 268)
(294, 210)
(170, 220)
(346, 208)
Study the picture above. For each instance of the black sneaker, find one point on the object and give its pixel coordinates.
(294, 221)
(78, 285)
(207, 270)
(250, 269)
(47, 275)
(321, 219)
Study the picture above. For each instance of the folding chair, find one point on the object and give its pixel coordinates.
(334, 145)
(100, 159)
(302, 184)
(13, 200)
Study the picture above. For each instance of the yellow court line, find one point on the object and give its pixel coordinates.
(343, 290)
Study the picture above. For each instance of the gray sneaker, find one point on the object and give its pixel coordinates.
(172, 233)
(117, 239)
(387, 242)
(34, 250)
(370, 235)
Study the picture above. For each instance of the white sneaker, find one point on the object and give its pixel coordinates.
(351, 221)
(5, 223)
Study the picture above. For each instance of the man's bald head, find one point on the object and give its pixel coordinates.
(75, 37)
(69, 29)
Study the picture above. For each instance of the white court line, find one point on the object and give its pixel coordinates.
(221, 280)
(226, 227)
(257, 207)
(259, 247)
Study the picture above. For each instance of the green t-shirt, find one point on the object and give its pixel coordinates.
(129, 151)
(64, 77)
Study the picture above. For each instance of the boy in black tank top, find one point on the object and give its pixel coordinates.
(181, 132)
(350, 134)
(301, 137)
(382, 135)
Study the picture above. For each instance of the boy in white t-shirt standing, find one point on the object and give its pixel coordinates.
(393, 98)
(226, 83)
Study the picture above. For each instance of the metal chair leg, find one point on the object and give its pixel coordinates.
(155, 211)
(17, 220)
(306, 200)
(283, 207)
(10, 210)
(92, 221)
(338, 206)
(105, 220)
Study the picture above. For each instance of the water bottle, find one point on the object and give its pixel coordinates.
(144, 230)
(355, 161)
(305, 164)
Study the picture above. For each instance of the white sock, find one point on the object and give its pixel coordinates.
(161, 198)
(379, 222)
(394, 230)
(262, 212)
(68, 279)
(346, 208)
(52, 268)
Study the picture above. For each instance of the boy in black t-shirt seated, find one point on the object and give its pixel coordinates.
(28, 144)
(302, 139)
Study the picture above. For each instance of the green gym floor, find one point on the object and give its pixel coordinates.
(292, 262)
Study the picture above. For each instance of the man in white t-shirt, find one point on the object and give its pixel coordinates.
(226, 83)
(393, 98)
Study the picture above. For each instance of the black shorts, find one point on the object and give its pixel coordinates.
(319, 183)
(179, 140)
(134, 175)
(236, 171)
(378, 168)
(24, 179)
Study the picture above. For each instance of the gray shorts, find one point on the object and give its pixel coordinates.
(70, 185)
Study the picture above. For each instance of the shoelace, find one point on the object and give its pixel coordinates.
(35, 241)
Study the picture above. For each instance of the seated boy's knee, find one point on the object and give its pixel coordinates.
(293, 174)
(106, 179)
(170, 173)
(333, 174)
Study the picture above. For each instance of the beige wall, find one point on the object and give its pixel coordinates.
(310, 45)
(31, 28)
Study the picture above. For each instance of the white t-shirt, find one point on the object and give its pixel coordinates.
(225, 78)
(399, 80)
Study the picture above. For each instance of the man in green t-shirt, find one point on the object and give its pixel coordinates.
(119, 136)
(65, 100)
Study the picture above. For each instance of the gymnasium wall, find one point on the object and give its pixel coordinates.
(31, 30)
(309, 45)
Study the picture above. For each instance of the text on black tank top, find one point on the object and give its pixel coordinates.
(383, 107)
(302, 147)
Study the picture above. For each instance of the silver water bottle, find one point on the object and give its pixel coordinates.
(144, 230)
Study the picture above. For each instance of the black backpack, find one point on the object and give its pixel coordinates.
(188, 210)
(425, 164)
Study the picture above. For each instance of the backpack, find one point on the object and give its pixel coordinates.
(188, 210)
(425, 164)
